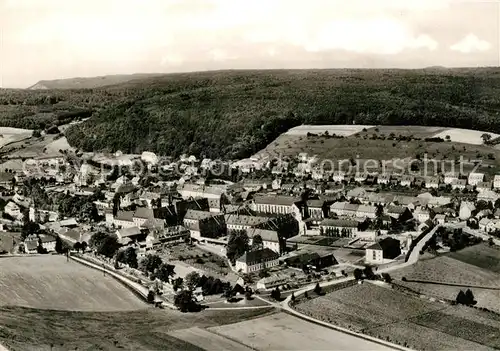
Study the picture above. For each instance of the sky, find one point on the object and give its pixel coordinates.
(51, 39)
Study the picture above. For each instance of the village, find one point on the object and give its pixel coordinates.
(168, 223)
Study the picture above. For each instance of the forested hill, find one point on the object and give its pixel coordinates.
(233, 114)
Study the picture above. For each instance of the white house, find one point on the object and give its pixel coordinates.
(254, 261)
(407, 180)
(496, 181)
(338, 176)
(384, 178)
(440, 219)
(475, 178)
(421, 214)
(458, 184)
(450, 177)
(431, 182)
(487, 225)
(483, 186)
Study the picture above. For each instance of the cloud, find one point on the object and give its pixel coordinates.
(470, 44)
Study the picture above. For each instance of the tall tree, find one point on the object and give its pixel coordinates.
(257, 242)
(237, 245)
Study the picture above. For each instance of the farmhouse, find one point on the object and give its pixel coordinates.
(254, 261)
(486, 225)
(48, 242)
(385, 249)
(31, 244)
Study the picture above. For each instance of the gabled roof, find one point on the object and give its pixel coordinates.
(238, 219)
(257, 256)
(128, 232)
(144, 212)
(280, 200)
(346, 223)
(125, 216)
(197, 215)
(266, 235)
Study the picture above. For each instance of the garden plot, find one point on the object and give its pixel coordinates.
(466, 136)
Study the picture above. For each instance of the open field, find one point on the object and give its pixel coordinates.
(482, 256)
(285, 332)
(448, 274)
(11, 135)
(208, 341)
(404, 319)
(30, 329)
(465, 136)
(50, 282)
(415, 131)
(445, 269)
(344, 130)
(362, 147)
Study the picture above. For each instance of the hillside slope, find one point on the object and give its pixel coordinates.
(88, 82)
(233, 114)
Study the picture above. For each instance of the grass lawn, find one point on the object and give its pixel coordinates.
(29, 329)
(395, 316)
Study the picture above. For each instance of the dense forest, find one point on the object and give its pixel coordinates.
(232, 114)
